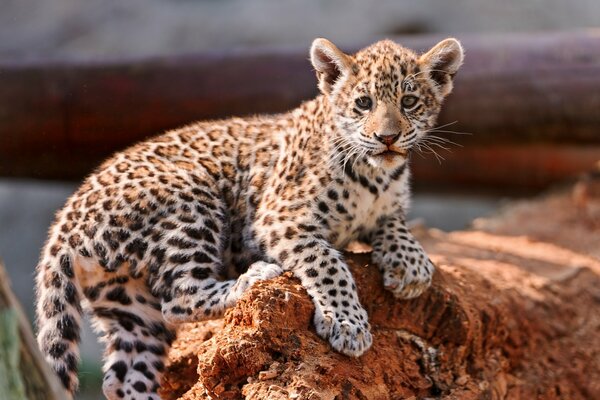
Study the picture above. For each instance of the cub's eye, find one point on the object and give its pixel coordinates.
(409, 101)
(364, 103)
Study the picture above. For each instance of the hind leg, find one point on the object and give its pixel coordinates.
(209, 297)
(137, 343)
(187, 266)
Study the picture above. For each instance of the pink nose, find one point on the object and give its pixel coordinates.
(388, 140)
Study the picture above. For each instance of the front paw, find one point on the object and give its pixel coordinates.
(349, 335)
(258, 271)
(406, 275)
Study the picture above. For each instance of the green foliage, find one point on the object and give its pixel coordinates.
(11, 382)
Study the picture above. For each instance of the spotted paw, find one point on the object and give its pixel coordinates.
(347, 335)
(405, 275)
(258, 271)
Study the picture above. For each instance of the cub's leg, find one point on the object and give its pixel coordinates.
(189, 280)
(406, 269)
(137, 341)
(339, 316)
(196, 294)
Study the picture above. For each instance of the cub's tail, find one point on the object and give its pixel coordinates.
(59, 312)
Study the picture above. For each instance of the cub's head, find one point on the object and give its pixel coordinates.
(385, 97)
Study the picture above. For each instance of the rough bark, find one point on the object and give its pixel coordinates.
(513, 313)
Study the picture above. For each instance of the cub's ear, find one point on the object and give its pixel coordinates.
(330, 62)
(442, 62)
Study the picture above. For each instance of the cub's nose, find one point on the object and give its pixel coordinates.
(388, 140)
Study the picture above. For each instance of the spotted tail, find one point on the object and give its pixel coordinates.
(59, 313)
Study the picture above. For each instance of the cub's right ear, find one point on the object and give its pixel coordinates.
(329, 62)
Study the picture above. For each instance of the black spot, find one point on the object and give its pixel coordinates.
(177, 310)
(181, 243)
(57, 350)
(211, 225)
(140, 347)
(307, 228)
(210, 249)
(168, 225)
(327, 281)
(68, 328)
(71, 362)
(200, 233)
(64, 376)
(398, 172)
(92, 292)
(332, 194)
(140, 366)
(323, 207)
(283, 255)
(159, 254)
(125, 318)
(312, 273)
(110, 239)
(137, 247)
(100, 250)
(201, 273)
(363, 181)
(289, 232)
(186, 219)
(180, 258)
(311, 258)
(139, 386)
(202, 258)
(120, 393)
(159, 365)
(119, 295)
(340, 208)
(119, 344)
(342, 283)
(120, 369)
(65, 266)
(350, 172)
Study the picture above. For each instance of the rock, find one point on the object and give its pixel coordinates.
(511, 314)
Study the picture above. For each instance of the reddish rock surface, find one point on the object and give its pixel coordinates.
(513, 313)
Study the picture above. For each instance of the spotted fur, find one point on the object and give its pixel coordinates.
(176, 228)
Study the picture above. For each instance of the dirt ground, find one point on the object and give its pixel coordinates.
(513, 313)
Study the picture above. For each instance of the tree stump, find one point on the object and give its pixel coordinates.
(513, 313)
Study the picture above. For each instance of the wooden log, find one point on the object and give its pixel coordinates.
(24, 374)
(60, 120)
(513, 313)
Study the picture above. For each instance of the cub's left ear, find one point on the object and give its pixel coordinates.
(443, 61)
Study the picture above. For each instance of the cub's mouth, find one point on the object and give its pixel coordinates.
(392, 151)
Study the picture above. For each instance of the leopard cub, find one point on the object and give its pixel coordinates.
(176, 228)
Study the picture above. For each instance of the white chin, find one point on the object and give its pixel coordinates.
(386, 161)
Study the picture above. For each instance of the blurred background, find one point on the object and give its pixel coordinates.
(55, 29)
(58, 30)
